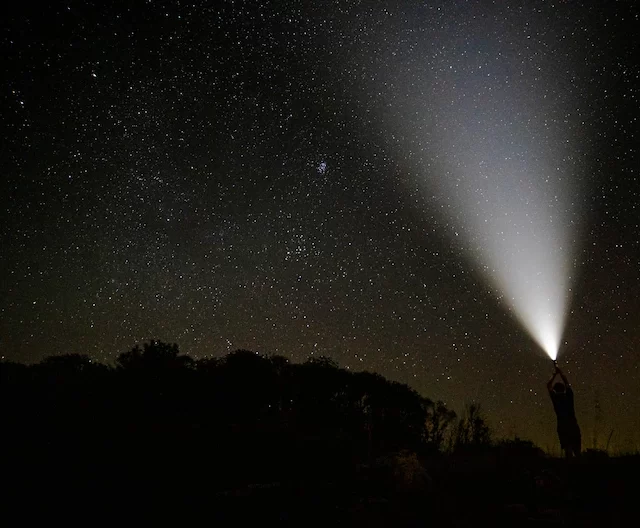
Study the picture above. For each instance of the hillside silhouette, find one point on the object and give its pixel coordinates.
(248, 437)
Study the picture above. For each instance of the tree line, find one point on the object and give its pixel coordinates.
(156, 388)
(159, 424)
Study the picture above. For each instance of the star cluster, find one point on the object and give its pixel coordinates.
(244, 175)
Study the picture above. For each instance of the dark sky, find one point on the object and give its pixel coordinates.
(233, 175)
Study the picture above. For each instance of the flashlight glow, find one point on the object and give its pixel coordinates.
(522, 245)
(525, 255)
(494, 143)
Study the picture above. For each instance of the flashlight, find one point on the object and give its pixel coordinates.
(555, 363)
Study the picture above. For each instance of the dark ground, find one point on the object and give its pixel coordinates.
(502, 489)
(249, 440)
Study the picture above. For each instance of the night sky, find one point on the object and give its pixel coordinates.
(276, 177)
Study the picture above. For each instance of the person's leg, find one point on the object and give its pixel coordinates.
(575, 441)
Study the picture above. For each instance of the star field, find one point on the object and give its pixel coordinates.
(251, 175)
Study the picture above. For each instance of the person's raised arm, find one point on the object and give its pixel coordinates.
(564, 378)
(550, 382)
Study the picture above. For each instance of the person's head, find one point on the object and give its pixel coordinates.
(559, 387)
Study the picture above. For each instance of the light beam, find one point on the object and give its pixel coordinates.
(516, 225)
(494, 139)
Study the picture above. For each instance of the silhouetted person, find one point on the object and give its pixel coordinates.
(568, 429)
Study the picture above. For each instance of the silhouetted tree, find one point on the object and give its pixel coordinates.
(249, 382)
(393, 414)
(439, 418)
(155, 355)
(319, 392)
(471, 431)
(70, 363)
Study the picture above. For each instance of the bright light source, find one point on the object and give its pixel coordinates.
(516, 220)
(526, 257)
(523, 247)
(495, 148)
